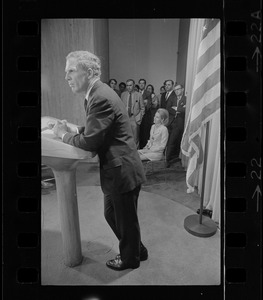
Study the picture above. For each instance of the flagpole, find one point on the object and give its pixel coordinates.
(202, 226)
(204, 172)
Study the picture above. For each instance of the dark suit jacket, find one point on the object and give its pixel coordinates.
(147, 95)
(180, 112)
(108, 132)
(167, 104)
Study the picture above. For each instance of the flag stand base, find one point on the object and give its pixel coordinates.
(193, 226)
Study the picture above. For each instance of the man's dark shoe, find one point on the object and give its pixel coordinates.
(118, 265)
(175, 160)
(143, 254)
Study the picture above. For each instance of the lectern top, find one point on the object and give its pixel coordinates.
(52, 146)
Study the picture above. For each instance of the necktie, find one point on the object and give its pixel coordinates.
(129, 104)
(166, 96)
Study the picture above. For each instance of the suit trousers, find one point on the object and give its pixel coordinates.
(135, 131)
(174, 141)
(120, 211)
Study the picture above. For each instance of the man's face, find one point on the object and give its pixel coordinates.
(178, 90)
(168, 86)
(76, 77)
(141, 84)
(129, 86)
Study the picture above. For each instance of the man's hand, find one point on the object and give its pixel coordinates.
(60, 128)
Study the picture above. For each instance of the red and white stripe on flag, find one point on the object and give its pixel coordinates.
(205, 97)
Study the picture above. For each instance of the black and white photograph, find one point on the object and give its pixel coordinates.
(131, 148)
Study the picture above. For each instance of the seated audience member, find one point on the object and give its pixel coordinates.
(113, 84)
(122, 87)
(154, 149)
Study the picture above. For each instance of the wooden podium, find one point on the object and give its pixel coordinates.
(63, 159)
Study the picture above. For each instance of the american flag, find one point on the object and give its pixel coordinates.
(205, 97)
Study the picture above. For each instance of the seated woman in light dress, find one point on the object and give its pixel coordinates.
(158, 137)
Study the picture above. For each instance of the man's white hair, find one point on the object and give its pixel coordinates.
(86, 60)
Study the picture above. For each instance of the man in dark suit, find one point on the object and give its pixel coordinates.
(145, 94)
(176, 126)
(108, 133)
(168, 93)
(168, 101)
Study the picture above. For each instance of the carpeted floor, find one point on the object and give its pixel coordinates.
(175, 256)
(169, 183)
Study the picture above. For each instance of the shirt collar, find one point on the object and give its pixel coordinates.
(88, 92)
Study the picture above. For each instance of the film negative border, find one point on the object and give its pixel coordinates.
(243, 156)
(22, 213)
(21, 153)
